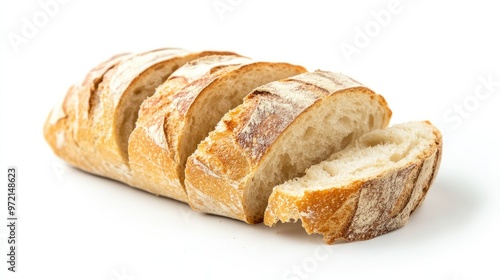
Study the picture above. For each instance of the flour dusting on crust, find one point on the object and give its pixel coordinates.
(156, 133)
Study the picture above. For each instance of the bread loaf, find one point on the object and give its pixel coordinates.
(249, 140)
(280, 129)
(369, 188)
(184, 109)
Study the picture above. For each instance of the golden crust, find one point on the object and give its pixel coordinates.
(217, 176)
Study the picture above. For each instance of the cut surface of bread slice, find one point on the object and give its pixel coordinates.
(369, 188)
(184, 109)
(281, 129)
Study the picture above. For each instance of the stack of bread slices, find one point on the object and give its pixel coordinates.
(250, 140)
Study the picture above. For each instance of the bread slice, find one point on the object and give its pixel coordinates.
(104, 110)
(281, 129)
(369, 188)
(184, 109)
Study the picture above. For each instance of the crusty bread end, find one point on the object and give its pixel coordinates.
(365, 190)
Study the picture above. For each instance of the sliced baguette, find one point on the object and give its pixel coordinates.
(184, 109)
(281, 129)
(365, 190)
(105, 110)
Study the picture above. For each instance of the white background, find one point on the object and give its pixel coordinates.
(427, 59)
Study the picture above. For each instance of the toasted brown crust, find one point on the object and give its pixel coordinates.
(364, 209)
(219, 172)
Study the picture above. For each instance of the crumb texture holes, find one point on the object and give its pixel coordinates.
(371, 121)
(346, 140)
(374, 140)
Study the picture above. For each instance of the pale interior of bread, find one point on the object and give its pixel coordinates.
(211, 106)
(374, 153)
(312, 138)
(127, 113)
